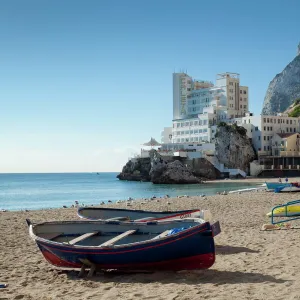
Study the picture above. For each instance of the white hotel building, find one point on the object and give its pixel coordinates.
(199, 105)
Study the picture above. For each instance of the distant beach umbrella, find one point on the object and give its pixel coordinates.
(152, 143)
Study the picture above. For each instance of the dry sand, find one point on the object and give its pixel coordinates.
(250, 263)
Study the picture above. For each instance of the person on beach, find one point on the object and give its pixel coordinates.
(279, 180)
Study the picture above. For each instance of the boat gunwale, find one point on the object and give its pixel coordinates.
(119, 247)
(178, 212)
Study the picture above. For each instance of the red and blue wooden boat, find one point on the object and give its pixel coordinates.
(174, 245)
(100, 213)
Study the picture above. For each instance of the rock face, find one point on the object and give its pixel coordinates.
(136, 170)
(233, 147)
(172, 172)
(158, 169)
(283, 89)
(202, 168)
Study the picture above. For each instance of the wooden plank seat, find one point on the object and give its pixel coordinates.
(82, 237)
(117, 238)
(144, 219)
(161, 235)
(118, 219)
(50, 236)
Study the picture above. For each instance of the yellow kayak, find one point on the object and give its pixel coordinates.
(292, 210)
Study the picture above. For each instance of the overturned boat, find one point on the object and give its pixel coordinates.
(278, 187)
(115, 214)
(174, 245)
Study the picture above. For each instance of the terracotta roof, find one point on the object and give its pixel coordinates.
(286, 135)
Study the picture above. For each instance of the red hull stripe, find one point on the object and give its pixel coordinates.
(73, 250)
(203, 261)
(55, 260)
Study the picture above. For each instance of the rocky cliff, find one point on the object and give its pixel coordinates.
(284, 89)
(158, 169)
(137, 169)
(172, 172)
(233, 147)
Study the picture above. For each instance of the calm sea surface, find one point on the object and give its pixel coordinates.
(35, 191)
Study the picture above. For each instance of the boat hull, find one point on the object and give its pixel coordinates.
(283, 187)
(289, 211)
(192, 248)
(274, 185)
(99, 213)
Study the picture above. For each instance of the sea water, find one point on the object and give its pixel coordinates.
(36, 191)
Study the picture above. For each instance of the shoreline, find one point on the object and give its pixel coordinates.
(252, 180)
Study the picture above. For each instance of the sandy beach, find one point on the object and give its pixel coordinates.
(250, 263)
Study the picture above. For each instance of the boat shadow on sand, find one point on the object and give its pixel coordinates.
(212, 276)
(227, 250)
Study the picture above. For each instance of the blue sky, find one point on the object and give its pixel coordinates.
(84, 83)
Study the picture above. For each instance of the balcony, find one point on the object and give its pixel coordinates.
(264, 153)
(290, 153)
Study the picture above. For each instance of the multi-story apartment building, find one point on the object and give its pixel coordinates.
(261, 129)
(199, 105)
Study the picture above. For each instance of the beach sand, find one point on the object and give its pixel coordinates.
(250, 263)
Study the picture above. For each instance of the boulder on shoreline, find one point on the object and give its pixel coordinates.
(157, 170)
(173, 172)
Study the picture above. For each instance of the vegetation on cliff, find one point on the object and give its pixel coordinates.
(294, 109)
(234, 128)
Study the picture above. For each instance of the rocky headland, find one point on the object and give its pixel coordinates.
(284, 89)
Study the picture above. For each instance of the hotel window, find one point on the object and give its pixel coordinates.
(259, 138)
(271, 128)
(294, 129)
(264, 128)
(267, 120)
(291, 129)
(245, 92)
(256, 128)
(290, 121)
(268, 128)
(271, 120)
(264, 138)
(241, 99)
(187, 132)
(245, 106)
(196, 123)
(264, 120)
(241, 106)
(191, 132)
(241, 92)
